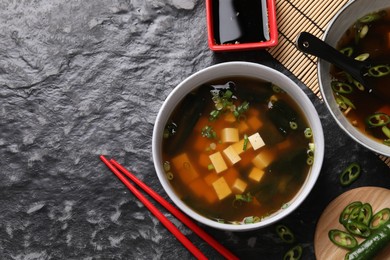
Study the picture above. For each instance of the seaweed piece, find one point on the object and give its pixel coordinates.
(282, 115)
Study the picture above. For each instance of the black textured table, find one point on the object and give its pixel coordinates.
(84, 78)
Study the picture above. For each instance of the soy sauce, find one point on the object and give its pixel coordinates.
(239, 21)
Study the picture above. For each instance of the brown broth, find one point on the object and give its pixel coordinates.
(283, 177)
(377, 44)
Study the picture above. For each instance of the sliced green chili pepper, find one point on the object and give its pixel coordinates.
(379, 71)
(341, 87)
(357, 228)
(372, 17)
(285, 234)
(378, 119)
(365, 214)
(362, 57)
(294, 253)
(350, 174)
(345, 214)
(342, 239)
(380, 218)
(346, 101)
(386, 131)
(348, 51)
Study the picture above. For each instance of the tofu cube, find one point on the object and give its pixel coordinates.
(239, 186)
(229, 135)
(184, 168)
(221, 188)
(263, 159)
(239, 146)
(256, 174)
(256, 141)
(218, 162)
(231, 155)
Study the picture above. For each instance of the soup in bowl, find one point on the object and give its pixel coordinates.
(361, 30)
(238, 146)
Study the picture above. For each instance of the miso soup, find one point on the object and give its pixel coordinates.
(367, 107)
(237, 149)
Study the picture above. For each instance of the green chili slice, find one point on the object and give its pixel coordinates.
(357, 228)
(342, 239)
(348, 51)
(346, 101)
(365, 214)
(345, 214)
(372, 17)
(379, 71)
(380, 218)
(377, 119)
(341, 87)
(285, 234)
(350, 174)
(386, 131)
(362, 57)
(294, 253)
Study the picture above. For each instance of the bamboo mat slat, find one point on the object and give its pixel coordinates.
(304, 15)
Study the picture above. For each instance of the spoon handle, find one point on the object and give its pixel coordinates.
(310, 44)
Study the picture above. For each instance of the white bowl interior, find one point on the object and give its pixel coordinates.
(345, 18)
(250, 70)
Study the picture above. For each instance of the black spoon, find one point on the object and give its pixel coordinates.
(310, 44)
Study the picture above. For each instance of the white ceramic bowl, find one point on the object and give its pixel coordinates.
(345, 18)
(250, 70)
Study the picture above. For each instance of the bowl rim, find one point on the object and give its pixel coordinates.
(293, 90)
(340, 119)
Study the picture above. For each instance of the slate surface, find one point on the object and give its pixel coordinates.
(84, 78)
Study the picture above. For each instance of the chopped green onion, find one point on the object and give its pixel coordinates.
(241, 109)
(167, 166)
(170, 176)
(208, 132)
(246, 140)
(276, 89)
(308, 133)
(379, 71)
(214, 115)
(293, 125)
(309, 160)
(250, 220)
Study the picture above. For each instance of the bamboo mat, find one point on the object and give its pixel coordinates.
(310, 16)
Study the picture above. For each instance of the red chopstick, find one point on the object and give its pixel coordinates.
(164, 220)
(177, 213)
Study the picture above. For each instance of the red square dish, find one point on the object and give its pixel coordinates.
(237, 25)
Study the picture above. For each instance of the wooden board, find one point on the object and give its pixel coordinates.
(324, 249)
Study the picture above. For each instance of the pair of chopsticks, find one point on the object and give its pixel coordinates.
(120, 171)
